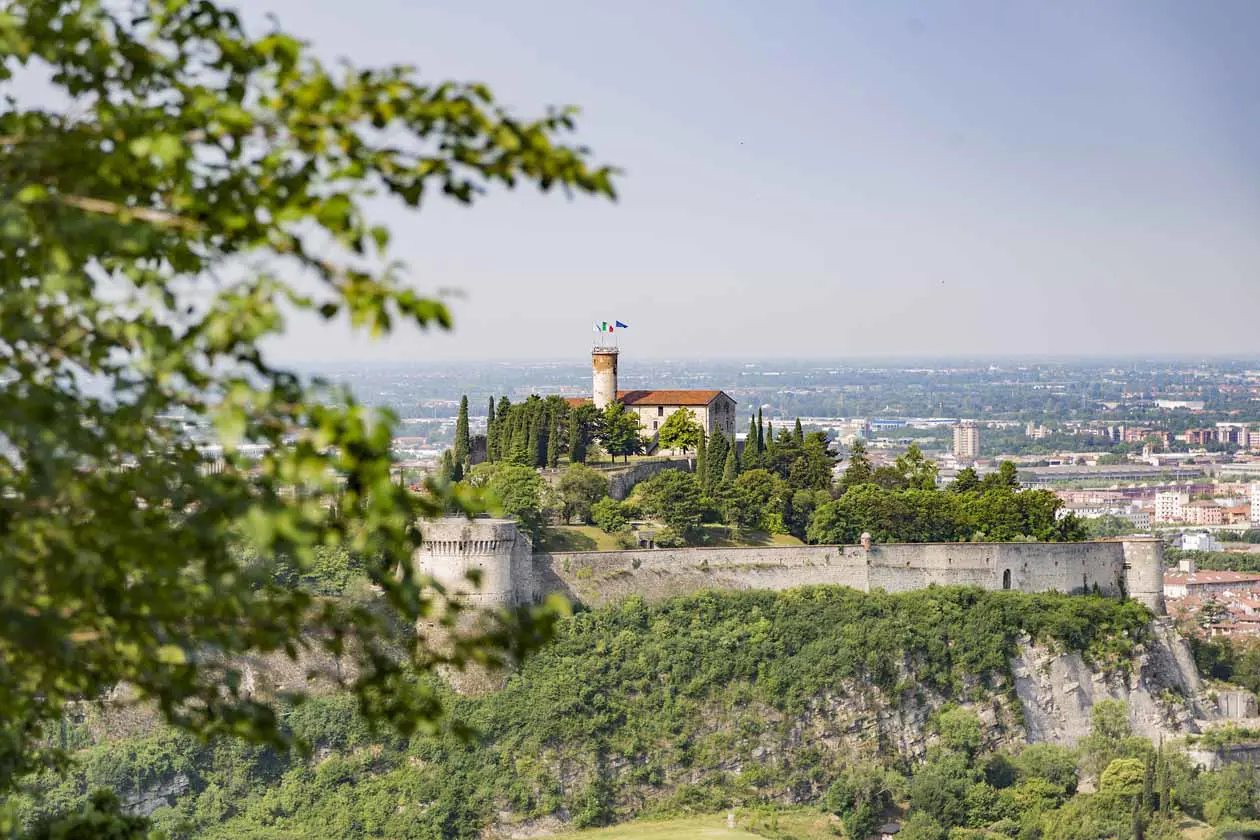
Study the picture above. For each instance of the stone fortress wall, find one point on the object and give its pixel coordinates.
(511, 574)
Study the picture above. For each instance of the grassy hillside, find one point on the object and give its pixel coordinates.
(688, 706)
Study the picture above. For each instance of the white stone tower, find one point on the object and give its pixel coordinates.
(604, 371)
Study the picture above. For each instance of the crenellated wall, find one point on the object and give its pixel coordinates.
(513, 575)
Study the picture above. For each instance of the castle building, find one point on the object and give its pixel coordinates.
(713, 410)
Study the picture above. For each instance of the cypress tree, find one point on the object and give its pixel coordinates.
(716, 460)
(751, 459)
(702, 468)
(463, 443)
(535, 440)
(492, 434)
(577, 440)
(446, 469)
(521, 437)
(799, 433)
(761, 434)
(729, 468)
(769, 440)
(503, 435)
(1163, 783)
(553, 440)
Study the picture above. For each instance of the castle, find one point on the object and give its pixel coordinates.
(713, 410)
(511, 574)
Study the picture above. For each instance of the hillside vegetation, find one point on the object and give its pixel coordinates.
(691, 705)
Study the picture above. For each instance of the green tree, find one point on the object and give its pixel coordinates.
(680, 431)
(751, 498)
(805, 464)
(536, 442)
(1050, 763)
(761, 435)
(492, 434)
(553, 441)
(919, 473)
(833, 524)
(189, 149)
(503, 437)
(673, 497)
(967, 480)
(619, 431)
(750, 456)
(1111, 737)
(800, 510)
(861, 793)
(580, 488)
(702, 459)
(939, 789)
(582, 422)
(731, 466)
(921, 826)
(463, 443)
(101, 819)
(1123, 777)
(1108, 525)
(517, 491)
(524, 444)
(858, 471)
(960, 731)
(446, 467)
(609, 515)
(798, 434)
(715, 462)
(1005, 478)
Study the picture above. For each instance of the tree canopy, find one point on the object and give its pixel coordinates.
(206, 183)
(680, 431)
(619, 431)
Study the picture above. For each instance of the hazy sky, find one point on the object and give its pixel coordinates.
(841, 179)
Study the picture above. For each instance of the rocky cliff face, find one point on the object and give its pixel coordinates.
(1165, 696)
(1050, 700)
(1049, 697)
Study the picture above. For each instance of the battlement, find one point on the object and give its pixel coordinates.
(512, 574)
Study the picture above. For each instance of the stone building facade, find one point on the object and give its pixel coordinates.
(713, 410)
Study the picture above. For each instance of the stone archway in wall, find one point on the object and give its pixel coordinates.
(1006, 579)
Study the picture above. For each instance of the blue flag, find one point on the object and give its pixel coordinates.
(621, 325)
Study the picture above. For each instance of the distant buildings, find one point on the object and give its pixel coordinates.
(1194, 582)
(1203, 513)
(1237, 434)
(1201, 541)
(967, 440)
(1255, 503)
(1048, 476)
(1170, 507)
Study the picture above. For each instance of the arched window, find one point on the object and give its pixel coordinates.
(1006, 579)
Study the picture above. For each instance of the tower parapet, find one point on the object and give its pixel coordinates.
(604, 374)
(1144, 571)
(482, 563)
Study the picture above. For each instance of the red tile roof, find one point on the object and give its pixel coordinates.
(1212, 577)
(666, 397)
